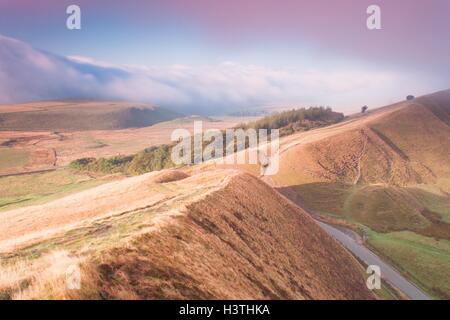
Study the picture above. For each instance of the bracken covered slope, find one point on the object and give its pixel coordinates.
(244, 241)
(217, 234)
(404, 144)
(386, 174)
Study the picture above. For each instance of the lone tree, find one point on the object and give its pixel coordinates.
(364, 109)
(410, 97)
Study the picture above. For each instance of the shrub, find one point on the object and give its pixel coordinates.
(151, 159)
(103, 165)
(296, 120)
(81, 164)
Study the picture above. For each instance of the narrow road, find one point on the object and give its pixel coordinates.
(387, 272)
(352, 243)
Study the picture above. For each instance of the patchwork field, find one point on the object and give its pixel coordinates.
(27, 150)
(11, 158)
(37, 188)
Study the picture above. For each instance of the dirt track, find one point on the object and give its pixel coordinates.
(35, 223)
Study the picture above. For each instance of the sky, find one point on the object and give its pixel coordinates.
(208, 56)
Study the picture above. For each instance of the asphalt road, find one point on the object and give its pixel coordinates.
(387, 272)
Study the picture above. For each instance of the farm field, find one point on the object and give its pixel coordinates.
(37, 188)
(10, 158)
(40, 150)
(425, 260)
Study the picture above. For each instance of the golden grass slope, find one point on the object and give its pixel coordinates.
(388, 170)
(218, 234)
(404, 144)
(384, 174)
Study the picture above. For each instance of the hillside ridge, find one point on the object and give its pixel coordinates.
(239, 240)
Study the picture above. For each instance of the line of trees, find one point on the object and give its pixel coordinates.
(296, 120)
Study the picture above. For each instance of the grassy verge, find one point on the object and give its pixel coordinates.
(407, 226)
(423, 259)
(38, 188)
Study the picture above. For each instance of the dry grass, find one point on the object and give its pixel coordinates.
(43, 278)
(404, 144)
(50, 149)
(382, 208)
(25, 225)
(10, 158)
(388, 170)
(232, 237)
(243, 241)
(36, 188)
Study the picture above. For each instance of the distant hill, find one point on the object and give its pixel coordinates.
(81, 115)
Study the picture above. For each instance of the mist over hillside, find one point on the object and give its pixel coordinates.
(29, 74)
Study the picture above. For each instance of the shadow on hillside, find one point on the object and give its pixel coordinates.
(381, 208)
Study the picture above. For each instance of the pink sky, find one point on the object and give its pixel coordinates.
(312, 37)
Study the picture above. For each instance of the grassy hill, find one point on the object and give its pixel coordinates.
(35, 188)
(403, 145)
(81, 115)
(385, 172)
(225, 234)
(215, 235)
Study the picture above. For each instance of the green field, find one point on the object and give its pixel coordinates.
(382, 208)
(425, 260)
(37, 188)
(407, 226)
(13, 158)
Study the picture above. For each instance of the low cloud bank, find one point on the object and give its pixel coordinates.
(28, 74)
